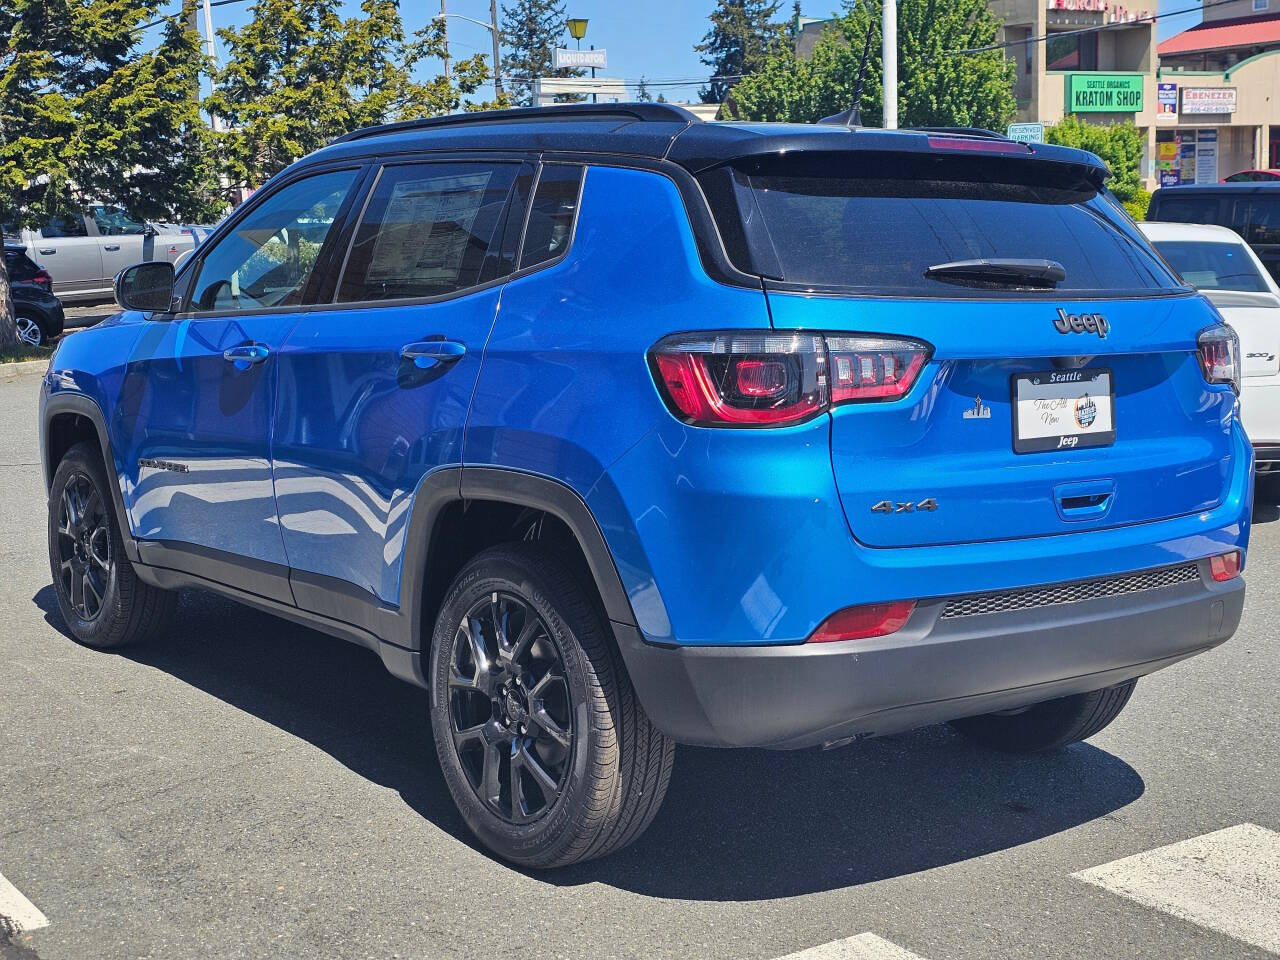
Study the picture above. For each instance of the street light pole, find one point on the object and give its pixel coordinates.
(497, 56)
(444, 24)
(890, 30)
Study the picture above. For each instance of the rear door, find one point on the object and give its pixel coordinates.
(65, 248)
(375, 385)
(1045, 406)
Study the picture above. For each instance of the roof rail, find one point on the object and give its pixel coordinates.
(643, 112)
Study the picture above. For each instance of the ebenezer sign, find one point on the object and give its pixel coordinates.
(1104, 92)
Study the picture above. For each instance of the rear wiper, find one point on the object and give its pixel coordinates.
(1037, 274)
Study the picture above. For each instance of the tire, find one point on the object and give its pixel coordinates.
(30, 331)
(595, 795)
(101, 599)
(1048, 725)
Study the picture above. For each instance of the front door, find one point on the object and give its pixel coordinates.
(205, 386)
(375, 387)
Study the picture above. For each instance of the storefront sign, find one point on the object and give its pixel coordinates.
(1026, 132)
(1167, 102)
(1187, 158)
(1200, 100)
(562, 59)
(1168, 163)
(1207, 156)
(1104, 92)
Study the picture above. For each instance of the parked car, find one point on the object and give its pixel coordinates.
(38, 312)
(783, 436)
(85, 251)
(1218, 263)
(1253, 176)
(1250, 209)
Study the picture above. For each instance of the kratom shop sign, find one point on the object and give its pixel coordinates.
(1104, 92)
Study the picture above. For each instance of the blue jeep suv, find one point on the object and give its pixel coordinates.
(612, 429)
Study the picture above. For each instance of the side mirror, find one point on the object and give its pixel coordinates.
(146, 286)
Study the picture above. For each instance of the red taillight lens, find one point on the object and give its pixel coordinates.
(1225, 566)
(774, 379)
(43, 279)
(860, 623)
(978, 145)
(1219, 350)
(865, 368)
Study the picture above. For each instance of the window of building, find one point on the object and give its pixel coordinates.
(427, 231)
(267, 258)
(1075, 51)
(1260, 5)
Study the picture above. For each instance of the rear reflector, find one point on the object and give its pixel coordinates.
(862, 622)
(1225, 566)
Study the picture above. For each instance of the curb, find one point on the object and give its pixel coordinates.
(23, 366)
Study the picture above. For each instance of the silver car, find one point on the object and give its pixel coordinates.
(83, 252)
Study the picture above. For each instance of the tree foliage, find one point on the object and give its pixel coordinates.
(531, 31)
(742, 37)
(86, 114)
(935, 86)
(1120, 147)
(299, 74)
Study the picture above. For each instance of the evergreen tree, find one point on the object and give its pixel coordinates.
(531, 30)
(85, 114)
(298, 75)
(936, 87)
(642, 92)
(742, 36)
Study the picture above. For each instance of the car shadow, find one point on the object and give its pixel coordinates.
(1264, 512)
(736, 824)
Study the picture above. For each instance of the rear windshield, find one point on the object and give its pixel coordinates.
(20, 266)
(1213, 266)
(882, 227)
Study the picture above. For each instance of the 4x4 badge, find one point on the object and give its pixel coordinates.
(928, 504)
(1082, 323)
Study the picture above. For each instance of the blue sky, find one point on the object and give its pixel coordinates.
(651, 39)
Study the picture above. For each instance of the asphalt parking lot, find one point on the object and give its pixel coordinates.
(249, 788)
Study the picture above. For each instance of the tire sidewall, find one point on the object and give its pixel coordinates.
(96, 632)
(541, 840)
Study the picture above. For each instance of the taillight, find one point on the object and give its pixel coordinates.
(1219, 350)
(774, 379)
(978, 145)
(43, 279)
(1225, 566)
(863, 622)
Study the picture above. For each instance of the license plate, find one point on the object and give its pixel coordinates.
(1063, 410)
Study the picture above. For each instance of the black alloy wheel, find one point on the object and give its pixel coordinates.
(84, 547)
(510, 712)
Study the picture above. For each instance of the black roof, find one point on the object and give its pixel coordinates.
(664, 131)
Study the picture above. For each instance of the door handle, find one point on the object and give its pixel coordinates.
(111, 247)
(48, 251)
(429, 353)
(246, 355)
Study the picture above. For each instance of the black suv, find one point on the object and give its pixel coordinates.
(1250, 209)
(38, 312)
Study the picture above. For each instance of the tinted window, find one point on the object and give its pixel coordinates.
(550, 226)
(20, 266)
(1257, 219)
(1186, 210)
(69, 225)
(1213, 266)
(427, 231)
(114, 222)
(267, 258)
(882, 234)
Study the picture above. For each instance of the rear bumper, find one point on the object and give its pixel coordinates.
(1266, 456)
(935, 669)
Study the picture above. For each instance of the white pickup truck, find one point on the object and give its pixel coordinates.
(1217, 262)
(83, 252)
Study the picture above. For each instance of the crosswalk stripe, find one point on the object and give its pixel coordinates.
(865, 946)
(20, 912)
(1228, 881)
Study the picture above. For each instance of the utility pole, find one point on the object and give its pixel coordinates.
(211, 48)
(444, 29)
(890, 29)
(497, 56)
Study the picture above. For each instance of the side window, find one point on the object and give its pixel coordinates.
(267, 258)
(65, 225)
(427, 231)
(555, 203)
(20, 266)
(114, 222)
(1257, 219)
(1188, 210)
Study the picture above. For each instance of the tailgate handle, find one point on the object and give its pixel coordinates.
(1087, 500)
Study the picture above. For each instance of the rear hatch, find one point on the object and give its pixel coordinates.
(1063, 390)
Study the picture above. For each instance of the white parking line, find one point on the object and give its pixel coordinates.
(865, 946)
(20, 912)
(1228, 881)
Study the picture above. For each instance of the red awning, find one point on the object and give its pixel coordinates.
(1224, 34)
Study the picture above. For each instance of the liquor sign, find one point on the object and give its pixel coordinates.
(562, 59)
(1166, 102)
(1201, 100)
(1104, 92)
